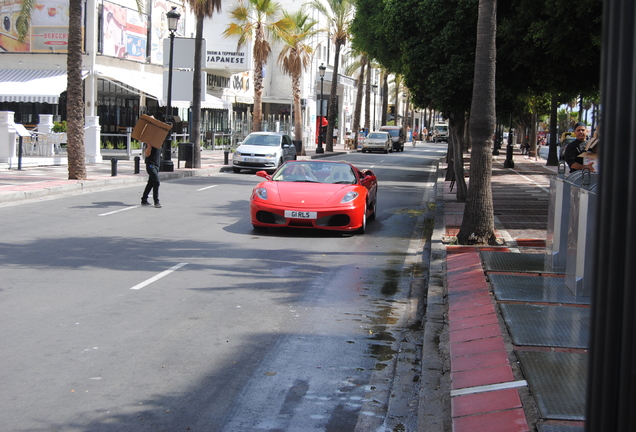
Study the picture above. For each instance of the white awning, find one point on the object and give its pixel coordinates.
(210, 102)
(152, 84)
(26, 85)
(149, 83)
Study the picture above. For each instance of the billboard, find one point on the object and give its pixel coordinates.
(124, 32)
(48, 29)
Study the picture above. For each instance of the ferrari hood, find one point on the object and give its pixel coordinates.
(308, 194)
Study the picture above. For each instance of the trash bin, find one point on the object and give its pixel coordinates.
(186, 153)
(299, 146)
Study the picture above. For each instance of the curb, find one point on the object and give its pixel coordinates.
(434, 403)
(74, 186)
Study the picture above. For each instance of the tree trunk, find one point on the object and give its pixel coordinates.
(333, 100)
(397, 101)
(385, 98)
(257, 117)
(75, 96)
(367, 100)
(553, 157)
(456, 132)
(195, 124)
(298, 113)
(478, 224)
(532, 136)
(358, 109)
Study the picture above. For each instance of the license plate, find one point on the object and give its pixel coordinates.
(293, 214)
(251, 160)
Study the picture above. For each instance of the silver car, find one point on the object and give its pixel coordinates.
(375, 141)
(263, 151)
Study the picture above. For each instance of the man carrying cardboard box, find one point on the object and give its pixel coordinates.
(152, 160)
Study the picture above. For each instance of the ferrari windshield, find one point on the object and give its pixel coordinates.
(262, 140)
(316, 172)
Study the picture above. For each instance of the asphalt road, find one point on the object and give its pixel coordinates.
(116, 317)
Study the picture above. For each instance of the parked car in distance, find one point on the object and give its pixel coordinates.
(263, 151)
(440, 132)
(377, 141)
(397, 136)
(326, 195)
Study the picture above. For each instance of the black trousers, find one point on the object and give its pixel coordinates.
(153, 183)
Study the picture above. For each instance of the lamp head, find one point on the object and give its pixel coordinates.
(173, 19)
(321, 70)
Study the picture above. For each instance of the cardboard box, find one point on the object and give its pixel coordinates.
(150, 130)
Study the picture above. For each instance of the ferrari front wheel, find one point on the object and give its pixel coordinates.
(363, 228)
(374, 209)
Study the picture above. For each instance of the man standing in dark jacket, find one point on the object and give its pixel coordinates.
(153, 155)
(575, 148)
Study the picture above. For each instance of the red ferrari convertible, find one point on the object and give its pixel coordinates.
(315, 194)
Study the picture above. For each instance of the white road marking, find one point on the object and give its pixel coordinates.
(118, 211)
(487, 388)
(207, 187)
(159, 276)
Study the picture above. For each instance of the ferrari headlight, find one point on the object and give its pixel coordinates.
(350, 196)
(261, 193)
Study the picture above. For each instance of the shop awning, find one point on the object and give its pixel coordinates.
(210, 102)
(25, 85)
(149, 83)
(152, 85)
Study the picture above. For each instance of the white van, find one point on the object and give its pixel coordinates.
(440, 132)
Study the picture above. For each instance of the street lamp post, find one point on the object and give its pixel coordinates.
(509, 163)
(321, 135)
(166, 163)
(375, 107)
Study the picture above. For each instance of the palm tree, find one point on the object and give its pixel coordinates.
(201, 10)
(76, 152)
(478, 224)
(254, 20)
(294, 59)
(339, 14)
(367, 99)
(75, 96)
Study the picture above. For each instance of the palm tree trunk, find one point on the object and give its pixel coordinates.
(478, 224)
(333, 100)
(195, 125)
(298, 114)
(367, 100)
(358, 109)
(385, 98)
(75, 96)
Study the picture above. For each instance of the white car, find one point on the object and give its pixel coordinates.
(377, 141)
(263, 151)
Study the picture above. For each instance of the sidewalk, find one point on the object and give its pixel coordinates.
(516, 338)
(39, 181)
